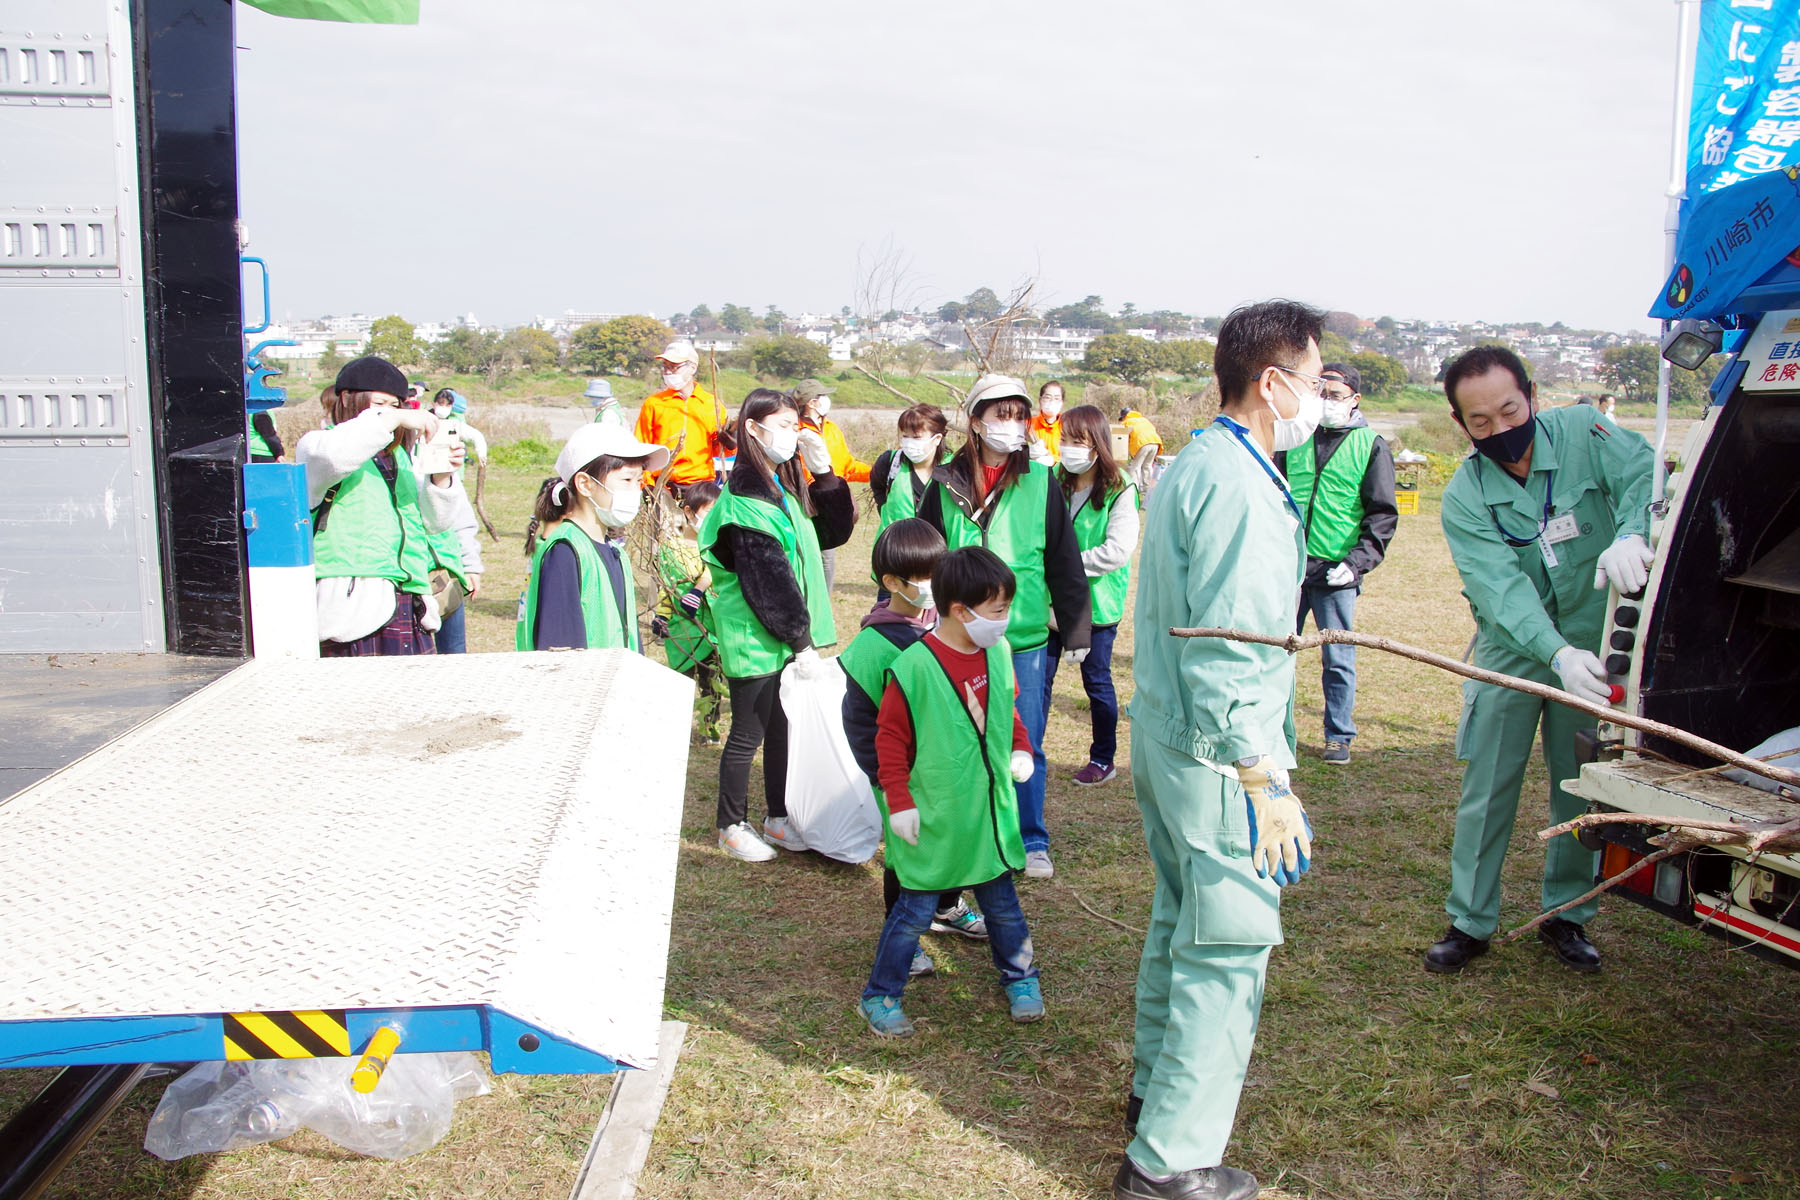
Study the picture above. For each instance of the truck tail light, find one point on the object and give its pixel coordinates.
(1615, 858)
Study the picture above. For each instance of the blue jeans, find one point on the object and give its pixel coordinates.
(1008, 937)
(1028, 673)
(1097, 682)
(1334, 608)
(452, 635)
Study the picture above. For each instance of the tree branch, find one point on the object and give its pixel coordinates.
(1293, 643)
(883, 384)
(1622, 876)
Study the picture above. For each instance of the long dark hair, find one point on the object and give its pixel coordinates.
(758, 406)
(1017, 463)
(548, 507)
(1086, 423)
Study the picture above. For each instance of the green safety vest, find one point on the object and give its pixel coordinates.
(899, 503)
(1015, 532)
(866, 661)
(608, 627)
(746, 648)
(961, 779)
(256, 446)
(446, 555)
(1106, 592)
(1335, 522)
(688, 644)
(364, 529)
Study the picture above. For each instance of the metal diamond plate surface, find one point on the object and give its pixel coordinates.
(299, 835)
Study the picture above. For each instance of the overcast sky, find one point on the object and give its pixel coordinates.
(1420, 158)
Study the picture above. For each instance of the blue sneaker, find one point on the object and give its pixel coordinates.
(887, 1019)
(1026, 1000)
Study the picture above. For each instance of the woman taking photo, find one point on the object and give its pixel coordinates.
(992, 494)
(1105, 508)
(763, 541)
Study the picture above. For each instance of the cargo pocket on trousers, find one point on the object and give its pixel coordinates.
(1228, 905)
(1471, 690)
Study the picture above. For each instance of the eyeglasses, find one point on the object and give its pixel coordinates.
(1338, 393)
(1318, 381)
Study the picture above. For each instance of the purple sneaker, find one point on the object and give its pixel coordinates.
(1095, 774)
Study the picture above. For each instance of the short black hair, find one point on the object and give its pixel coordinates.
(1274, 333)
(909, 548)
(1479, 361)
(971, 576)
(696, 496)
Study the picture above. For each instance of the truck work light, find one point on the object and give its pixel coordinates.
(1691, 342)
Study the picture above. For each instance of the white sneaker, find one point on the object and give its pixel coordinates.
(777, 832)
(740, 841)
(1038, 864)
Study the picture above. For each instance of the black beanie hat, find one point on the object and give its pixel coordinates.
(372, 373)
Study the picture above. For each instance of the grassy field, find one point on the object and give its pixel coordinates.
(1668, 1075)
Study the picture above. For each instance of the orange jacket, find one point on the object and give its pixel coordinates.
(1047, 432)
(846, 465)
(689, 428)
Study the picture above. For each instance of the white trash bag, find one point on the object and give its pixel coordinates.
(828, 797)
(219, 1106)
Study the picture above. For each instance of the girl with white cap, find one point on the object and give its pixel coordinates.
(580, 595)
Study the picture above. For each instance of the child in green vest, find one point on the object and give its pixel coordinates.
(991, 494)
(905, 555)
(1105, 507)
(580, 594)
(949, 745)
(684, 617)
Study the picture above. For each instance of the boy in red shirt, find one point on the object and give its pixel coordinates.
(950, 745)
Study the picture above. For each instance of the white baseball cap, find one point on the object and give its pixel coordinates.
(679, 352)
(591, 441)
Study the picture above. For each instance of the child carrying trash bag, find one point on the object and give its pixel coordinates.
(684, 616)
(949, 746)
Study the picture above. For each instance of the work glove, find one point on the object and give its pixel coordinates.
(1582, 674)
(1626, 565)
(809, 666)
(1340, 575)
(1280, 834)
(692, 599)
(1022, 766)
(1074, 658)
(1040, 453)
(659, 625)
(905, 826)
(814, 453)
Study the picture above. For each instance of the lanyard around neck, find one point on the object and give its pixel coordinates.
(1241, 434)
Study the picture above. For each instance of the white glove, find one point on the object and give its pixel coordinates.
(807, 664)
(1625, 564)
(1582, 674)
(814, 453)
(1022, 766)
(1340, 575)
(1073, 658)
(1280, 834)
(1040, 453)
(905, 826)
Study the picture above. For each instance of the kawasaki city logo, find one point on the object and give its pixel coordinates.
(1680, 287)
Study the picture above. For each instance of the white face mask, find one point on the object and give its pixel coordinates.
(1338, 413)
(1003, 437)
(821, 406)
(778, 444)
(922, 597)
(919, 450)
(442, 412)
(1293, 431)
(1051, 407)
(1076, 459)
(625, 501)
(680, 379)
(984, 631)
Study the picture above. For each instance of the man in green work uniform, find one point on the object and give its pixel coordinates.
(1548, 511)
(1212, 741)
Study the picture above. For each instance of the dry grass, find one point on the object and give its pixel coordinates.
(1666, 1076)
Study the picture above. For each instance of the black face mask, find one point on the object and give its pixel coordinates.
(1509, 447)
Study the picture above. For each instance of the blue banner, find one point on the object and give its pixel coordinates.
(1745, 116)
(1729, 240)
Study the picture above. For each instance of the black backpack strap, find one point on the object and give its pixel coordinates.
(323, 513)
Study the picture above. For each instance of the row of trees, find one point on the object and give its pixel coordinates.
(1135, 359)
(1631, 371)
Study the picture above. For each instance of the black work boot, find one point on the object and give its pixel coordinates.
(1568, 941)
(1453, 953)
(1202, 1183)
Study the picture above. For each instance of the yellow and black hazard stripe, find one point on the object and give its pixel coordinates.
(314, 1034)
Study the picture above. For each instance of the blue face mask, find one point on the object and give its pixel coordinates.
(1509, 447)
